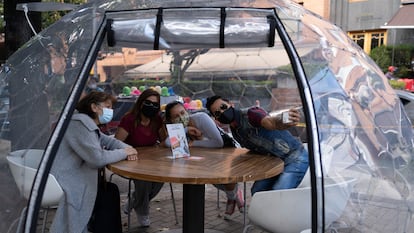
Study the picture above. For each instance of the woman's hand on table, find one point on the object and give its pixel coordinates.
(132, 153)
(194, 133)
(190, 142)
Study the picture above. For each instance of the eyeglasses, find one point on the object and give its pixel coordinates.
(150, 103)
(222, 107)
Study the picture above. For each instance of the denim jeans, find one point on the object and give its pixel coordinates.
(295, 167)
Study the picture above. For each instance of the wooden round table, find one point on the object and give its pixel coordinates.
(204, 166)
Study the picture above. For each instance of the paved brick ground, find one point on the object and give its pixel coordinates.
(163, 219)
(162, 211)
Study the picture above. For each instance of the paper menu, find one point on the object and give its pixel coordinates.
(178, 140)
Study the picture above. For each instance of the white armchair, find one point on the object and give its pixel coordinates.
(23, 166)
(289, 210)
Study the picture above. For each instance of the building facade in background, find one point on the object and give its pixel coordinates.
(364, 20)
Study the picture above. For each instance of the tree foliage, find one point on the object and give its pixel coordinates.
(1, 17)
(49, 18)
(382, 56)
(398, 55)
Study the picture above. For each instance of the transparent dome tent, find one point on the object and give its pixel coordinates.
(272, 53)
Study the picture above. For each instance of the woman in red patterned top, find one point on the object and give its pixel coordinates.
(141, 126)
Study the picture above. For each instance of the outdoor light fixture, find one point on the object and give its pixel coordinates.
(43, 7)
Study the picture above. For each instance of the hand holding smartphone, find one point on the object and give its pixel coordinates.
(286, 115)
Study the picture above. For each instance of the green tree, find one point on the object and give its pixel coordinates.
(382, 56)
(49, 18)
(1, 17)
(399, 56)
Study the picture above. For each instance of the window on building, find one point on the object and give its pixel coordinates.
(369, 40)
(377, 39)
(359, 39)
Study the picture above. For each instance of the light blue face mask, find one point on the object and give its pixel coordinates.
(107, 114)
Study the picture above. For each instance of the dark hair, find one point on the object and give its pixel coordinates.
(93, 97)
(168, 109)
(136, 109)
(211, 100)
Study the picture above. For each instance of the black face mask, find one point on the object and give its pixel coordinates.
(149, 110)
(227, 116)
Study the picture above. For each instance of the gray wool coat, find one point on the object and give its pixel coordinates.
(84, 149)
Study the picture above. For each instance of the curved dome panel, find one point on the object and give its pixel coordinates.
(269, 53)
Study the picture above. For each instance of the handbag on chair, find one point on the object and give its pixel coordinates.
(106, 215)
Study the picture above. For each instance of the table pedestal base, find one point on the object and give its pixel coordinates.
(193, 208)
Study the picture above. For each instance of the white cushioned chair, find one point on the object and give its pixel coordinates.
(289, 210)
(23, 165)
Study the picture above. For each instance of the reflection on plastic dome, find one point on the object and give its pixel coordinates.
(352, 119)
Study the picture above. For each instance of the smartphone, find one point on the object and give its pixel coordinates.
(285, 117)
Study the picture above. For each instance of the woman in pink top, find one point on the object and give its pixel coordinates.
(141, 126)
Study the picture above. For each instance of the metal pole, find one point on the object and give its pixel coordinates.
(393, 46)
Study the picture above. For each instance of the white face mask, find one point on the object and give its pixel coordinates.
(107, 114)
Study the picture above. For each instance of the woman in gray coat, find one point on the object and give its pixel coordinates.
(83, 150)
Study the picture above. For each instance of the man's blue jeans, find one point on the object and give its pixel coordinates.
(295, 168)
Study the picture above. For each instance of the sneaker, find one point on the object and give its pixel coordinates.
(240, 200)
(143, 220)
(230, 206)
